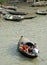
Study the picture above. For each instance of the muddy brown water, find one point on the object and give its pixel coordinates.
(10, 32)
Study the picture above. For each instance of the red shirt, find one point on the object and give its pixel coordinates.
(24, 47)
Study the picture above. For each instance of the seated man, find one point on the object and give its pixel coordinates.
(23, 47)
(35, 50)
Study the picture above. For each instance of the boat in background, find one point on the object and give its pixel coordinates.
(13, 18)
(41, 12)
(38, 4)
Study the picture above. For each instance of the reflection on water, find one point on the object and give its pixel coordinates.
(10, 32)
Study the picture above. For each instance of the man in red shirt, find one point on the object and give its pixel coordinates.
(23, 47)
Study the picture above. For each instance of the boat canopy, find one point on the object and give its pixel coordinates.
(29, 44)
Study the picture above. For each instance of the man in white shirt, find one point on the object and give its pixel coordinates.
(35, 51)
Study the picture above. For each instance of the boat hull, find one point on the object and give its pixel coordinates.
(13, 18)
(41, 12)
(26, 54)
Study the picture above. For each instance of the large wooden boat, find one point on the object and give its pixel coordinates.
(10, 8)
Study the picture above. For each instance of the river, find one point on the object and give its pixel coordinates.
(10, 32)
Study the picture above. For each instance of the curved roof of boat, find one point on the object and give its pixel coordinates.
(29, 43)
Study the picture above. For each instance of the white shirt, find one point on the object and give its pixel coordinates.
(35, 50)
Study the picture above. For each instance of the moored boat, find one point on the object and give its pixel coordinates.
(26, 48)
(10, 8)
(38, 4)
(41, 12)
(16, 12)
(13, 18)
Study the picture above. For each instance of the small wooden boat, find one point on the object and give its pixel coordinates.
(16, 12)
(24, 41)
(16, 17)
(13, 18)
(10, 8)
(41, 12)
(38, 4)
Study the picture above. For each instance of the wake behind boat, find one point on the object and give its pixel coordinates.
(27, 48)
